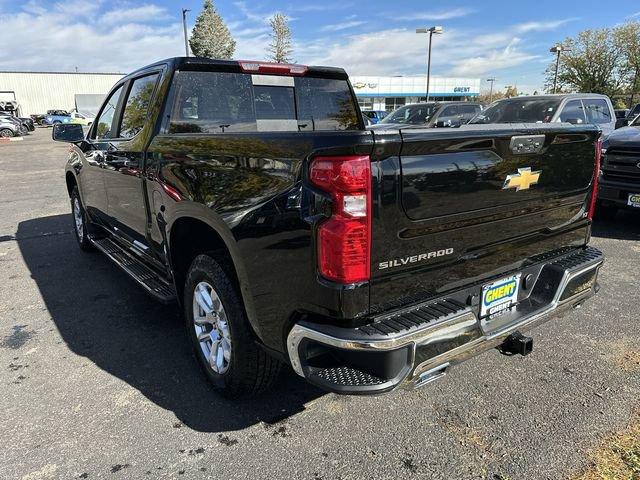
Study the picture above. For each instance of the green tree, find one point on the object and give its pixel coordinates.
(280, 49)
(592, 62)
(511, 91)
(627, 38)
(210, 36)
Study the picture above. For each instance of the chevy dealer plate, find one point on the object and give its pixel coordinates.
(499, 295)
(634, 200)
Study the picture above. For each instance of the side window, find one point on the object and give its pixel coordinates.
(469, 110)
(573, 110)
(449, 111)
(597, 110)
(104, 123)
(137, 105)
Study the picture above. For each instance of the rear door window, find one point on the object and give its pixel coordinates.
(137, 105)
(219, 102)
(597, 110)
(573, 111)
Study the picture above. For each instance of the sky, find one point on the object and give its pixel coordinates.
(505, 39)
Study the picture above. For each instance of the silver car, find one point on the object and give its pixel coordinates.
(11, 128)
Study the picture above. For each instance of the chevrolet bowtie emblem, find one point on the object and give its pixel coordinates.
(522, 180)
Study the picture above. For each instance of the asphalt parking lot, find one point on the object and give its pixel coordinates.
(98, 380)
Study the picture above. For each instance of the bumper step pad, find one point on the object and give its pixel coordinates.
(347, 377)
(413, 319)
(150, 280)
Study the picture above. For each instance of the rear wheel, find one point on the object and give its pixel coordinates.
(605, 212)
(80, 223)
(217, 326)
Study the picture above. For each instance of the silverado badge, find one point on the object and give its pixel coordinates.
(522, 180)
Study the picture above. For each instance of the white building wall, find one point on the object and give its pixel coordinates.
(37, 92)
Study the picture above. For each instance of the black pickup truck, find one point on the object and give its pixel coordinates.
(620, 172)
(252, 195)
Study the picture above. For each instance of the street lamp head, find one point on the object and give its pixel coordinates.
(436, 30)
(559, 48)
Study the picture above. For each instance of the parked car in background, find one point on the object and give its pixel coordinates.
(621, 117)
(55, 118)
(252, 194)
(375, 115)
(11, 128)
(82, 119)
(633, 112)
(575, 108)
(619, 183)
(26, 122)
(367, 121)
(431, 115)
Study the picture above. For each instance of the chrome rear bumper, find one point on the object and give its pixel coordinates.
(413, 346)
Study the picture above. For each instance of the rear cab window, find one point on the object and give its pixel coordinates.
(225, 102)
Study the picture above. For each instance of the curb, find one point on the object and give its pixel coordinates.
(12, 139)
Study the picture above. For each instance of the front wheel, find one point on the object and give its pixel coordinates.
(80, 223)
(5, 133)
(218, 328)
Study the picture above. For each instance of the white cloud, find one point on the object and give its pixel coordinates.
(492, 61)
(541, 26)
(438, 15)
(83, 40)
(401, 51)
(335, 27)
(147, 12)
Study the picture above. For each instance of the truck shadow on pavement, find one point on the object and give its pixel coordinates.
(104, 316)
(625, 226)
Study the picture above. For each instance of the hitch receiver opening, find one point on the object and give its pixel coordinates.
(517, 343)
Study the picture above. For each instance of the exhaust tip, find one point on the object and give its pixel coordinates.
(517, 343)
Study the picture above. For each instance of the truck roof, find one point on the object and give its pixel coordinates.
(196, 63)
(556, 95)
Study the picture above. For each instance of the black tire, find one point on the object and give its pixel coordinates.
(6, 133)
(81, 232)
(606, 213)
(250, 370)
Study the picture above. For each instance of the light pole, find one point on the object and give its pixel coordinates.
(492, 79)
(431, 30)
(184, 28)
(557, 49)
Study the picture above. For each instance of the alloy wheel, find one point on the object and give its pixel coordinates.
(211, 327)
(77, 217)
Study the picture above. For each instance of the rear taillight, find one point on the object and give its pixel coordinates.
(594, 185)
(344, 240)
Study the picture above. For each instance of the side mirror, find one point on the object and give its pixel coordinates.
(574, 121)
(67, 132)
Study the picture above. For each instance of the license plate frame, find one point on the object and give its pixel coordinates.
(633, 200)
(504, 295)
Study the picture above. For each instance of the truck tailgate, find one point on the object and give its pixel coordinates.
(455, 206)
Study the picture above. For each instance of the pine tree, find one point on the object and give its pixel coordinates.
(280, 47)
(210, 36)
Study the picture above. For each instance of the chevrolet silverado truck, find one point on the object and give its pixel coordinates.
(252, 195)
(620, 173)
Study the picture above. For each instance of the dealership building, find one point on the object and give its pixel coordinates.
(389, 93)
